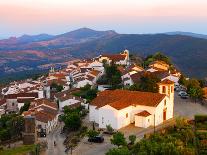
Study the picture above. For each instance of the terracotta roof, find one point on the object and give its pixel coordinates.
(143, 113)
(23, 100)
(65, 96)
(120, 99)
(159, 62)
(90, 78)
(136, 77)
(166, 81)
(39, 102)
(57, 81)
(160, 74)
(115, 57)
(14, 96)
(59, 75)
(94, 72)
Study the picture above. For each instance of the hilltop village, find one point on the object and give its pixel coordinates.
(113, 91)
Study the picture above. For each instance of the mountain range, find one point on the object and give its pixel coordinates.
(31, 53)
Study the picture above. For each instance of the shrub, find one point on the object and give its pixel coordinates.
(92, 133)
(132, 139)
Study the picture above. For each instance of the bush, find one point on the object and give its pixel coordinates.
(132, 139)
(92, 133)
(118, 151)
(109, 129)
(119, 139)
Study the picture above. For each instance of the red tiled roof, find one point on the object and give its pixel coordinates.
(137, 77)
(159, 62)
(120, 99)
(115, 57)
(166, 82)
(14, 96)
(94, 72)
(39, 102)
(143, 113)
(23, 100)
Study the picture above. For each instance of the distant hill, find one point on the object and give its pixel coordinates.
(188, 34)
(30, 52)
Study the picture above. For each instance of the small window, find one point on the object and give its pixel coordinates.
(172, 89)
(148, 120)
(12, 104)
(102, 120)
(126, 115)
(163, 89)
(165, 103)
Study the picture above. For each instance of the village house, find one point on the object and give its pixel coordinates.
(158, 66)
(46, 114)
(66, 98)
(120, 108)
(119, 59)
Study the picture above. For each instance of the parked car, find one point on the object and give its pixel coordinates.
(96, 139)
(184, 96)
(182, 93)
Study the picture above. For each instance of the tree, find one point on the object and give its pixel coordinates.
(92, 133)
(57, 87)
(132, 139)
(109, 128)
(119, 139)
(148, 83)
(182, 80)
(72, 121)
(25, 107)
(118, 151)
(113, 76)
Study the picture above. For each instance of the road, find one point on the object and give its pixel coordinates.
(59, 149)
(187, 108)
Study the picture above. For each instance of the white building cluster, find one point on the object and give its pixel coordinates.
(115, 107)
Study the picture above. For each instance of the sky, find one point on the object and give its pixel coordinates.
(18, 17)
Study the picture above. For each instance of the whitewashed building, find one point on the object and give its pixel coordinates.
(120, 108)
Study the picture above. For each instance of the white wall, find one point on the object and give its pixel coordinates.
(108, 116)
(143, 121)
(67, 103)
(122, 119)
(93, 114)
(83, 83)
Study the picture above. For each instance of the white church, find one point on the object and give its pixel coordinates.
(119, 108)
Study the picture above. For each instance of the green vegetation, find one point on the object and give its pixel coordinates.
(148, 83)
(201, 134)
(92, 133)
(109, 129)
(57, 87)
(87, 93)
(132, 139)
(119, 139)
(175, 140)
(72, 118)
(25, 107)
(118, 151)
(156, 56)
(112, 76)
(11, 126)
(194, 87)
(20, 150)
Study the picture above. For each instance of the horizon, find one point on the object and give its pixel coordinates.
(97, 30)
(54, 17)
